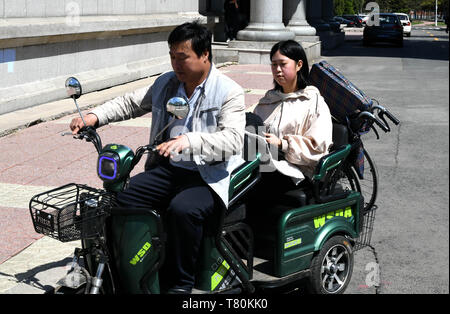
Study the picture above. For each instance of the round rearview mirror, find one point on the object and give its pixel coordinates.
(73, 88)
(178, 107)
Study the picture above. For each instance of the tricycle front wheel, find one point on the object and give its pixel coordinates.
(332, 267)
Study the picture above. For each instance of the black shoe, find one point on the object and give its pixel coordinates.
(178, 291)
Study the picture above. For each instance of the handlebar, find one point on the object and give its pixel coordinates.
(140, 151)
(90, 135)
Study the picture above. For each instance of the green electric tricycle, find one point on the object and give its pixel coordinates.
(309, 235)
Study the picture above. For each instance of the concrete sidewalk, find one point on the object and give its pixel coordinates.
(36, 158)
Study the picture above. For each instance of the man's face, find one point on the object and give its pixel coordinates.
(185, 62)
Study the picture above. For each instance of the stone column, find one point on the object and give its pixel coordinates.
(265, 22)
(315, 16)
(328, 14)
(294, 15)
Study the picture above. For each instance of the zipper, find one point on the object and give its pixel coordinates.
(281, 117)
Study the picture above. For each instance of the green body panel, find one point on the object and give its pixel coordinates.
(126, 156)
(213, 272)
(303, 231)
(209, 261)
(299, 233)
(132, 245)
(238, 178)
(131, 238)
(331, 161)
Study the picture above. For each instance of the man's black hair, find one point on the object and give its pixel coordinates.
(199, 35)
(293, 50)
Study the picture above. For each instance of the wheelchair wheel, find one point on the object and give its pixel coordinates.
(344, 179)
(369, 184)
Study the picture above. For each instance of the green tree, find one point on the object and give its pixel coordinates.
(344, 7)
(358, 6)
(339, 7)
(400, 6)
(430, 5)
(349, 7)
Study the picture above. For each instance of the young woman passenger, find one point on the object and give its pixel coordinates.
(296, 117)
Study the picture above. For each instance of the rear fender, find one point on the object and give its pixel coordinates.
(344, 220)
(303, 231)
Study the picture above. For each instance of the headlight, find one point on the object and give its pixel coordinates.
(108, 166)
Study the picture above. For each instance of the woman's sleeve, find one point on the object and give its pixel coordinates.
(311, 141)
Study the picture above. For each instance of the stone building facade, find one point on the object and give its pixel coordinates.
(111, 42)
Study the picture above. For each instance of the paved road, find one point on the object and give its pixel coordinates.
(411, 233)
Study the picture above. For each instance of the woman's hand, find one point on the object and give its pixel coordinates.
(272, 139)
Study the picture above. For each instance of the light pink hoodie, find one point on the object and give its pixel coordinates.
(302, 121)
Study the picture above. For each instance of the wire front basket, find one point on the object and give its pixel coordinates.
(70, 212)
(365, 236)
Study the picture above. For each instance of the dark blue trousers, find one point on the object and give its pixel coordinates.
(185, 201)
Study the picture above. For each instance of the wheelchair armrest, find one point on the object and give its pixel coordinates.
(326, 164)
(330, 161)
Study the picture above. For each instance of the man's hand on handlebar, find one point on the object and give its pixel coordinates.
(77, 123)
(174, 146)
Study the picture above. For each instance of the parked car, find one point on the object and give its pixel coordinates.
(389, 29)
(355, 18)
(364, 18)
(343, 21)
(404, 18)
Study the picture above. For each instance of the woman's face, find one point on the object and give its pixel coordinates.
(284, 71)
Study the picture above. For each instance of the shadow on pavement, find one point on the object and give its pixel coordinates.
(29, 277)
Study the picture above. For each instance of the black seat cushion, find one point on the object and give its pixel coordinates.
(235, 214)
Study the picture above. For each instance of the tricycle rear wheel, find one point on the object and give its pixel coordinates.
(332, 267)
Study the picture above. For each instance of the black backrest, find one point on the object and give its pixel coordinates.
(340, 135)
(253, 124)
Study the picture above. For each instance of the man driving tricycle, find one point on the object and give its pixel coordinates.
(188, 223)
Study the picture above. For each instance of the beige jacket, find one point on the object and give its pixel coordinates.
(302, 121)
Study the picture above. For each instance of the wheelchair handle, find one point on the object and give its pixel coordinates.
(383, 111)
(369, 116)
(391, 117)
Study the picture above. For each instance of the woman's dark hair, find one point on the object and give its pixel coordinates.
(199, 35)
(293, 50)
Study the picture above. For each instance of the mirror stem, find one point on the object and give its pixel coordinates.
(79, 111)
(165, 128)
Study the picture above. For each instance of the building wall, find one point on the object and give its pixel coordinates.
(101, 42)
(59, 8)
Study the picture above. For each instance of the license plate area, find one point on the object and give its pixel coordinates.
(44, 220)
